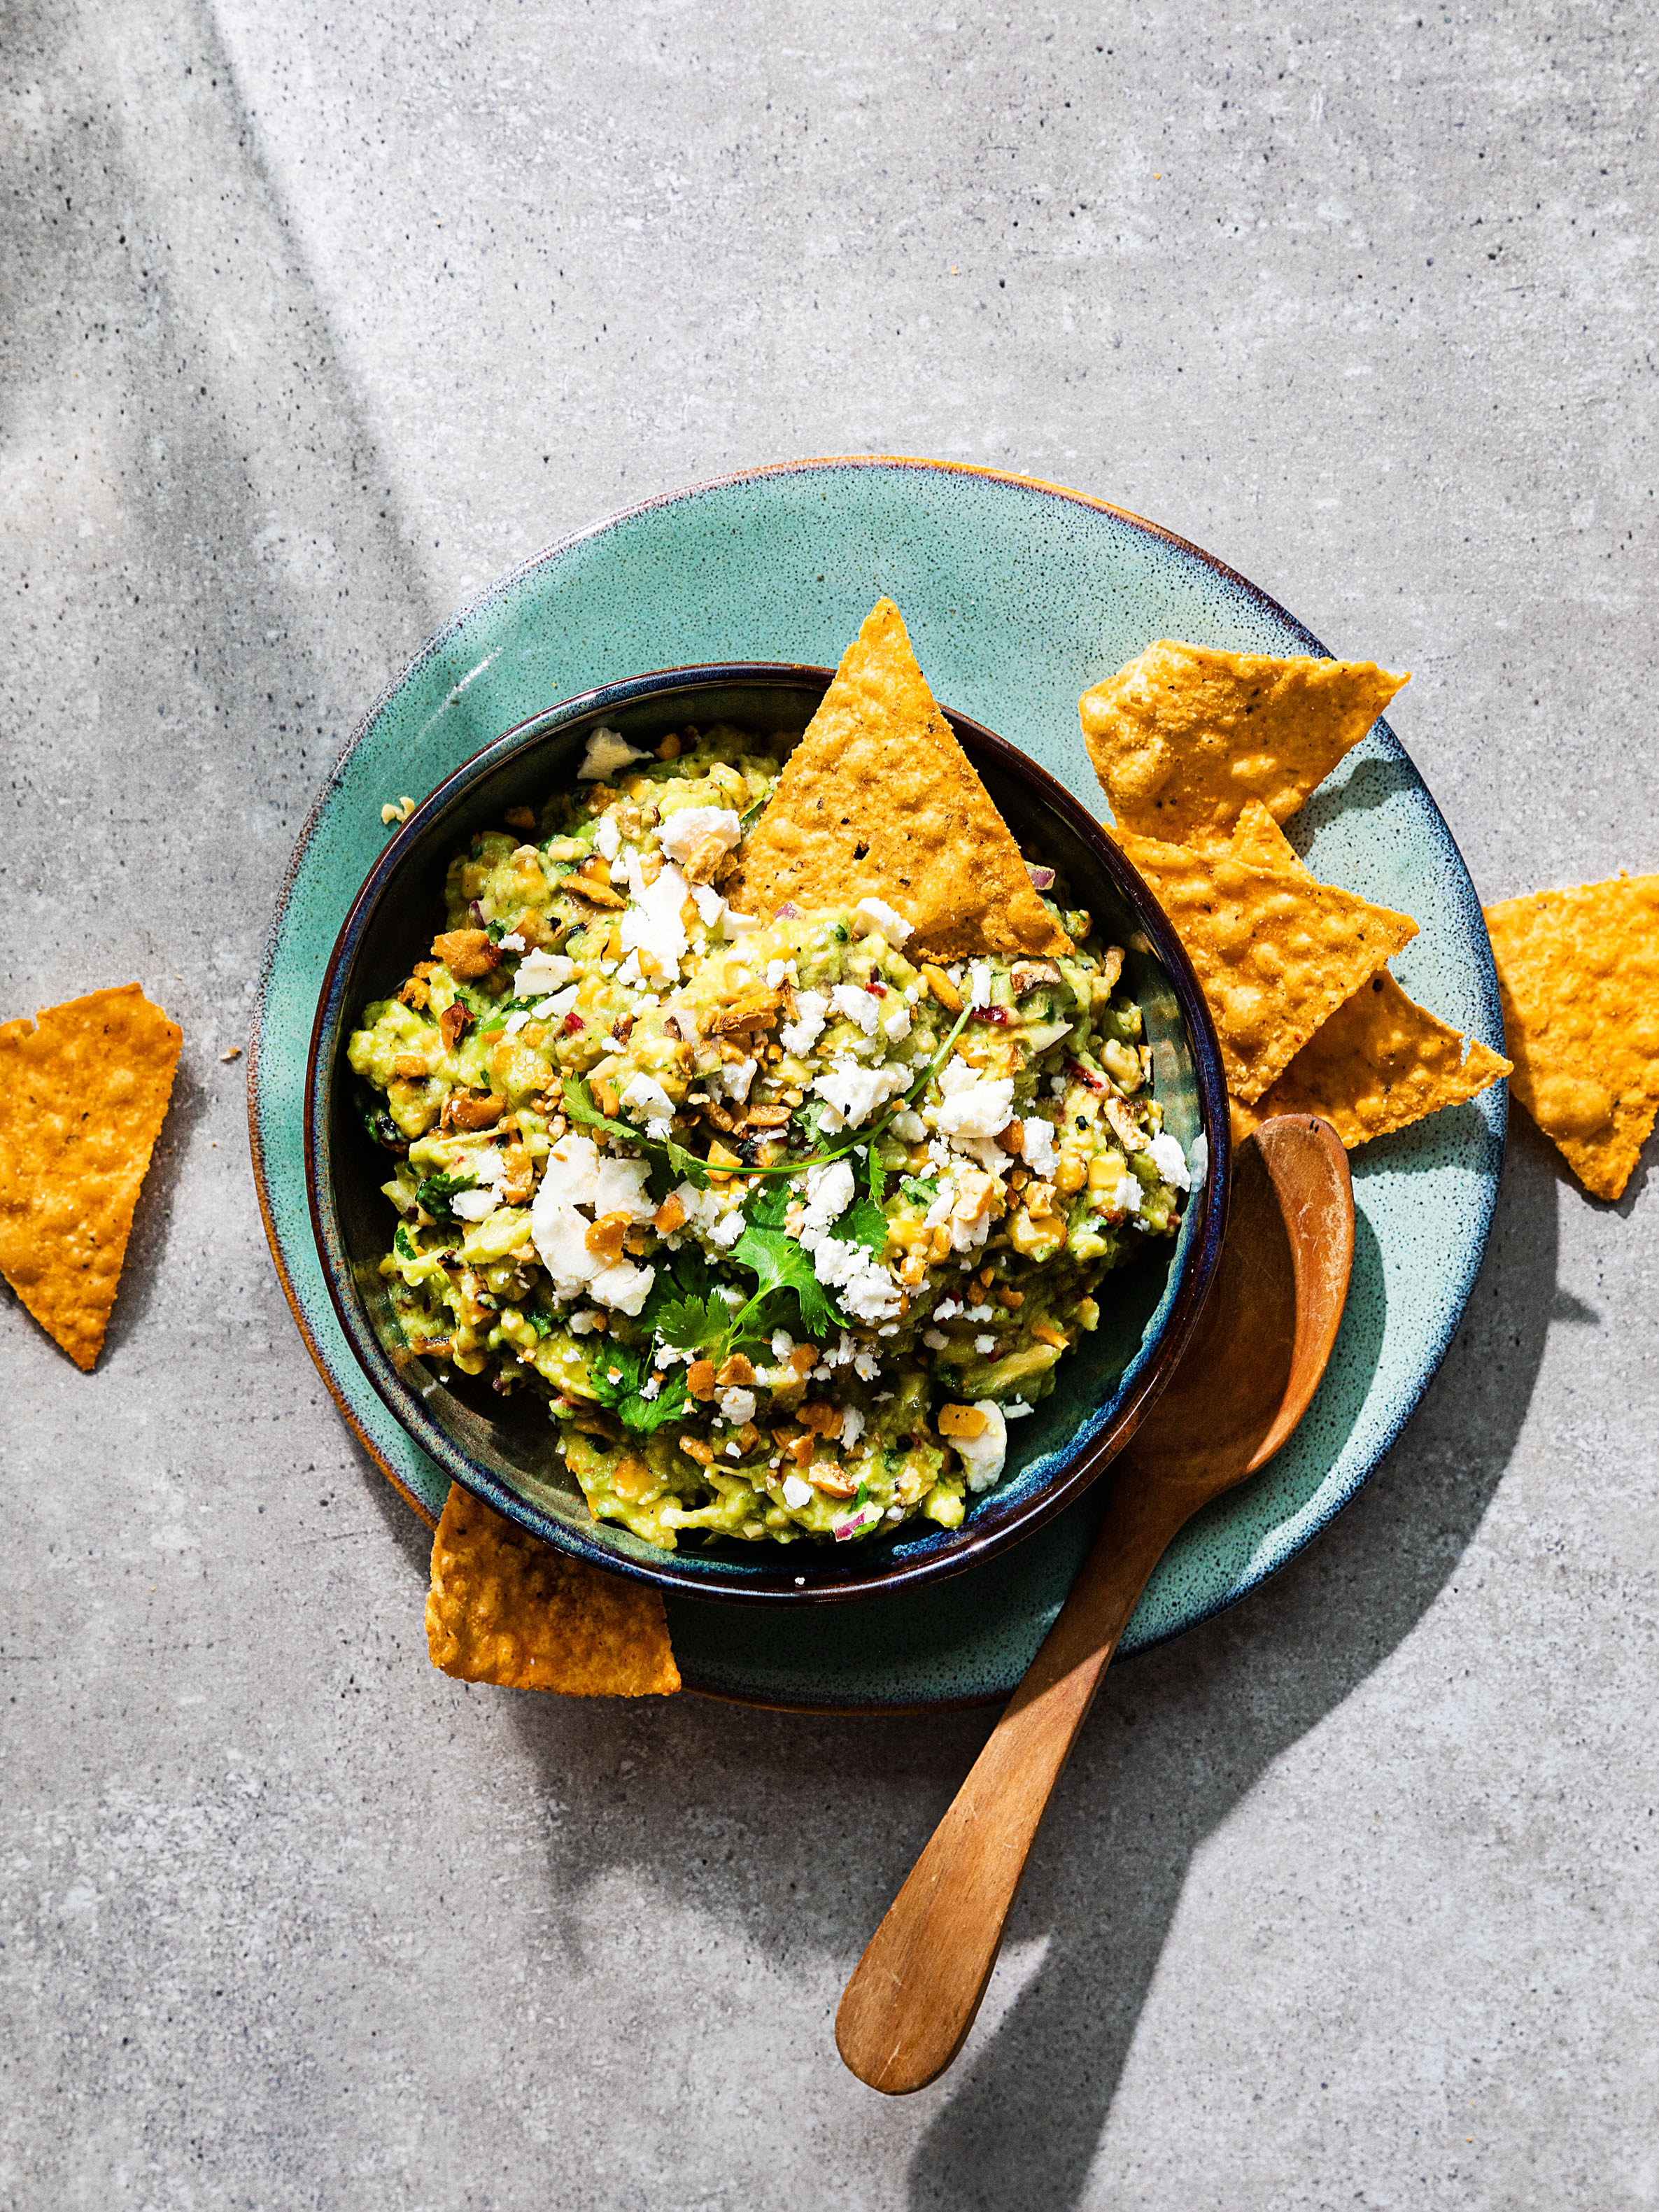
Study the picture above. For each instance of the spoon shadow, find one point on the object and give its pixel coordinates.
(1178, 1740)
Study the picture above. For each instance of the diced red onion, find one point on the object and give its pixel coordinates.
(1000, 1015)
(477, 914)
(1042, 880)
(788, 911)
(572, 1022)
(1075, 1068)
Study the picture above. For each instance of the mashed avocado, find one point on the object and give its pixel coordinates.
(784, 1224)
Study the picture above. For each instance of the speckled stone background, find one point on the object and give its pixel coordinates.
(316, 317)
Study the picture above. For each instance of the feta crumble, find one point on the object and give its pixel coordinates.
(607, 752)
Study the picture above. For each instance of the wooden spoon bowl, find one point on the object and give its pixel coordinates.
(1244, 1383)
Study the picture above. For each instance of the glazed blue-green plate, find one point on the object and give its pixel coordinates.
(1018, 597)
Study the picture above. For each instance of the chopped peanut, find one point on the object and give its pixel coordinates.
(914, 1273)
(467, 953)
(669, 748)
(521, 819)
(942, 989)
(803, 1358)
(1012, 1139)
(700, 1379)
(410, 1068)
(746, 1438)
(630, 1477)
(604, 1239)
(756, 1010)
(669, 1216)
(738, 1371)
(722, 1161)
(694, 1448)
(606, 1093)
(1040, 1199)
(466, 1111)
(1025, 975)
(705, 860)
(415, 993)
(453, 1024)
(1046, 1333)
(961, 1421)
(818, 1415)
(832, 1481)
(1070, 1175)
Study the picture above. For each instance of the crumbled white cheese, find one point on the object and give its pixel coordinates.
(979, 983)
(623, 1286)
(829, 1195)
(472, 1205)
(620, 1188)
(709, 904)
(542, 971)
(512, 942)
(684, 830)
(1124, 1196)
(985, 1346)
(727, 1229)
(607, 752)
(739, 925)
(651, 923)
(866, 1288)
(972, 1105)
(608, 837)
(735, 1078)
(798, 1037)
(647, 1101)
(782, 1345)
(858, 1005)
(666, 1355)
(983, 1457)
(514, 1023)
(851, 1427)
(584, 1324)
(853, 1093)
(866, 1365)
(1038, 1145)
(737, 1406)
(876, 914)
(934, 1338)
(896, 1026)
(779, 972)
(1170, 1162)
(796, 1493)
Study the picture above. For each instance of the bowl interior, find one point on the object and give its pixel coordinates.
(504, 1449)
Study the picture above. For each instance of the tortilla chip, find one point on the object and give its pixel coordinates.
(1183, 737)
(83, 1092)
(505, 1607)
(1275, 952)
(1380, 1063)
(1256, 836)
(878, 800)
(1579, 974)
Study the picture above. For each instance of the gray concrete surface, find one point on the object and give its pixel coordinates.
(314, 319)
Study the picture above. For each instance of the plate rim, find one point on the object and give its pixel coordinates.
(1278, 1554)
(1197, 1263)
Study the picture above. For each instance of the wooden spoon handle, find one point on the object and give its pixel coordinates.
(912, 1996)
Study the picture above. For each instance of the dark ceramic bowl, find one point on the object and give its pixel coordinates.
(504, 1450)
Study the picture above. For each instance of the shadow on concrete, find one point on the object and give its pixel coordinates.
(152, 1218)
(792, 1833)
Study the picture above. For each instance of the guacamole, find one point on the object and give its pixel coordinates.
(785, 1224)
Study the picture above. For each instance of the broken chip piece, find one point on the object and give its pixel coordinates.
(1275, 953)
(1182, 737)
(879, 801)
(83, 1092)
(1380, 1063)
(507, 1608)
(1579, 974)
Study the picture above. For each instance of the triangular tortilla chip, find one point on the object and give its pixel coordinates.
(1579, 974)
(1275, 952)
(878, 800)
(1380, 1063)
(1256, 836)
(1183, 737)
(505, 1607)
(83, 1093)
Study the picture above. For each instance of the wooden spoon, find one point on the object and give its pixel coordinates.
(1242, 1385)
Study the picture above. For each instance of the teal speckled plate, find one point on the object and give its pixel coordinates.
(1017, 596)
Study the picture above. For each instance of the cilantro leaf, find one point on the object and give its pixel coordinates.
(768, 1206)
(865, 1222)
(646, 1415)
(780, 1265)
(435, 1192)
(616, 1375)
(693, 1324)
